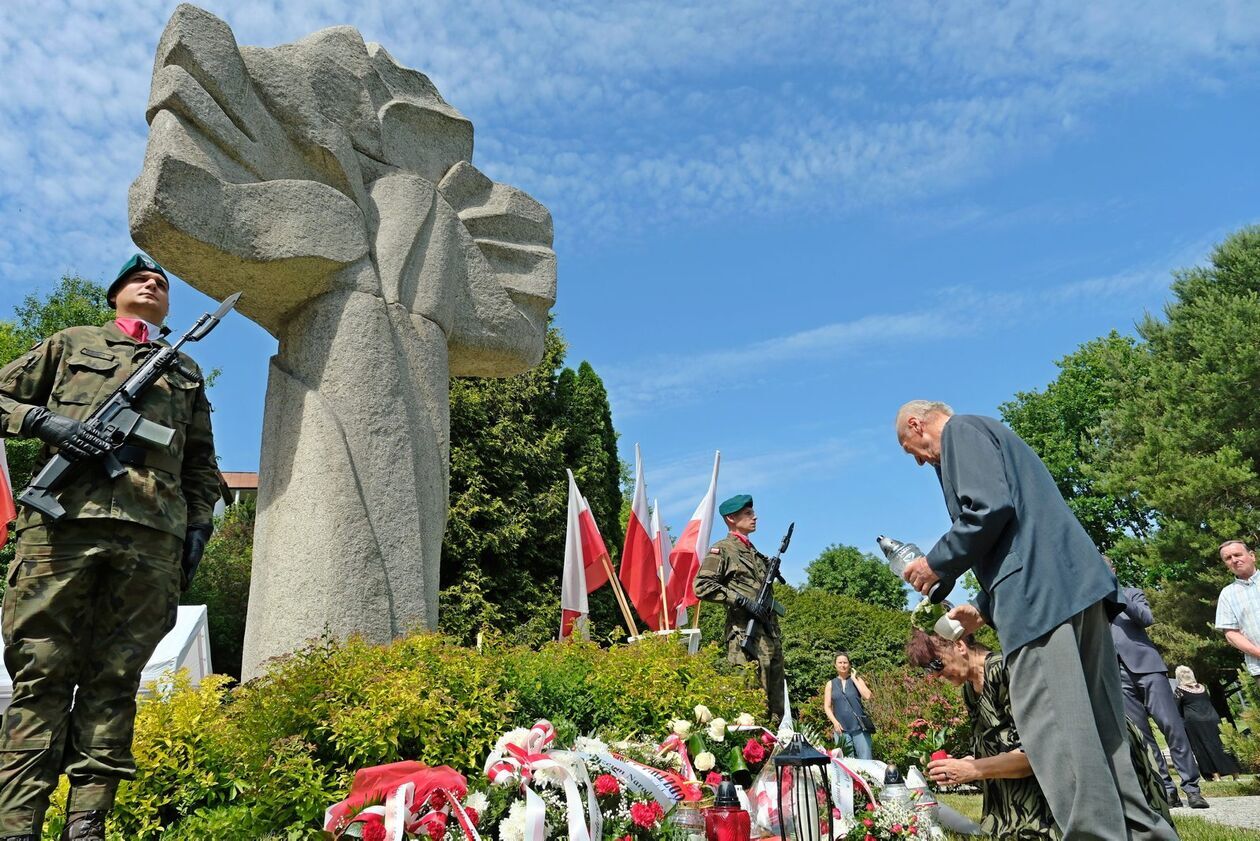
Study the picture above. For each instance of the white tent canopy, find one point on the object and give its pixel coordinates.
(187, 646)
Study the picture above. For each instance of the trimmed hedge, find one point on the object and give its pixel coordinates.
(269, 756)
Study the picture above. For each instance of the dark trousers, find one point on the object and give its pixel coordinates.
(87, 603)
(1069, 710)
(1147, 696)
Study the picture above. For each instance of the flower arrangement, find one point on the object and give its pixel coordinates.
(714, 748)
(406, 800)
(890, 822)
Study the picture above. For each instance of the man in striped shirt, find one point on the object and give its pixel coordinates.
(1238, 609)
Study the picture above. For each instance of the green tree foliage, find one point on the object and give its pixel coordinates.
(1184, 434)
(511, 440)
(222, 585)
(1154, 444)
(848, 571)
(1063, 424)
(73, 302)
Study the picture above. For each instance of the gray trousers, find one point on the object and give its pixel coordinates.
(1069, 709)
(1147, 696)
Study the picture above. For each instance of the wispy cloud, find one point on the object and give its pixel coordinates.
(679, 483)
(628, 116)
(639, 385)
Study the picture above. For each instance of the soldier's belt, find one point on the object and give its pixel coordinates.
(143, 457)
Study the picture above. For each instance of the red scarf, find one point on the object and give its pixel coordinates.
(133, 327)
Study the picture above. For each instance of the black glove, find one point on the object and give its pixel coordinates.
(195, 540)
(72, 438)
(751, 606)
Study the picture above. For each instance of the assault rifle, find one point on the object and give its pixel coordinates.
(765, 603)
(117, 421)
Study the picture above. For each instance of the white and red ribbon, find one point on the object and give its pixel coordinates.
(524, 763)
(677, 743)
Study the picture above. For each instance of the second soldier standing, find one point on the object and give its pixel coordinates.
(732, 574)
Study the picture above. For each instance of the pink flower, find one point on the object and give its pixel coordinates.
(713, 778)
(754, 752)
(768, 739)
(896, 827)
(868, 823)
(606, 785)
(870, 807)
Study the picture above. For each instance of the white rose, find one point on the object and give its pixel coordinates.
(702, 714)
(745, 720)
(705, 761)
(717, 730)
(681, 728)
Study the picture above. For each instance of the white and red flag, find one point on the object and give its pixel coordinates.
(663, 546)
(684, 561)
(586, 562)
(640, 572)
(7, 509)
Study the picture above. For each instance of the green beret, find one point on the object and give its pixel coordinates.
(138, 263)
(736, 503)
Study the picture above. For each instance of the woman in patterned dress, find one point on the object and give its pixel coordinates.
(1013, 805)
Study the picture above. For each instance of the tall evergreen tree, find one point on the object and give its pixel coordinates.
(511, 440)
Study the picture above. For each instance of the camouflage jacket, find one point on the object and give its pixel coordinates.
(75, 370)
(733, 568)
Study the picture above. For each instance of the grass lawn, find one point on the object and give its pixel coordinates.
(1188, 827)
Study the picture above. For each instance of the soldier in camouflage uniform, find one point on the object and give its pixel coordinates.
(91, 594)
(732, 574)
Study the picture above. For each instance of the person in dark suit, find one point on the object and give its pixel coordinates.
(1047, 592)
(1147, 695)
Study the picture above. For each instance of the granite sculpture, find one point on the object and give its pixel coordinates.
(334, 186)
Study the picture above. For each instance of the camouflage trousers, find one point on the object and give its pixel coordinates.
(87, 603)
(767, 657)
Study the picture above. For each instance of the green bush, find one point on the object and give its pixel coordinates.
(222, 585)
(899, 697)
(269, 756)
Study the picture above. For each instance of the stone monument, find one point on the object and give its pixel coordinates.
(335, 188)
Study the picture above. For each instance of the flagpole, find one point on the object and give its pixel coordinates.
(621, 597)
(696, 623)
(660, 576)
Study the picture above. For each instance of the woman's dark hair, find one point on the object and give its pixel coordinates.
(843, 654)
(921, 648)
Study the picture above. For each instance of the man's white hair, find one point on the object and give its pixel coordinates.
(920, 409)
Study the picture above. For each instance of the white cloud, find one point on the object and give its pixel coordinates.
(633, 115)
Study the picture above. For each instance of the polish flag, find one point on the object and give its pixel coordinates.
(640, 573)
(585, 563)
(685, 560)
(7, 509)
(663, 546)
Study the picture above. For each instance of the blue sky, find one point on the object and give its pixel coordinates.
(774, 222)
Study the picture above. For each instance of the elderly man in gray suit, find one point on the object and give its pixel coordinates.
(1047, 592)
(1147, 695)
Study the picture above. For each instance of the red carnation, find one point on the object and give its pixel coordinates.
(868, 823)
(713, 778)
(646, 815)
(870, 807)
(754, 752)
(606, 785)
(373, 831)
(940, 754)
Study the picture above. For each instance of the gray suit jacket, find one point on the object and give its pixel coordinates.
(1036, 565)
(1128, 630)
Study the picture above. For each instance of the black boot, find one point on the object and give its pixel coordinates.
(1174, 800)
(1196, 800)
(85, 826)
